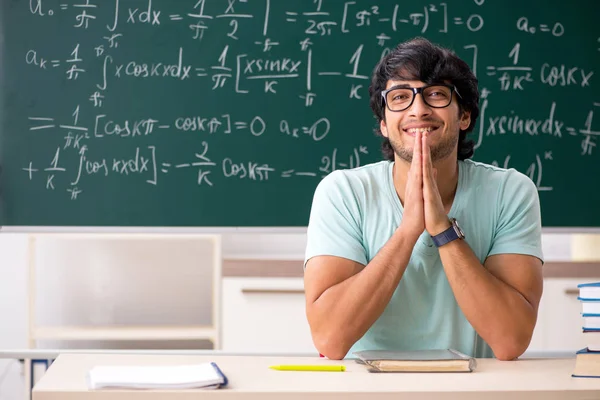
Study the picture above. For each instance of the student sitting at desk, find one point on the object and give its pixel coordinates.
(387, 264)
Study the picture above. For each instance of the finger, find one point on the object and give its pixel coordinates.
(417, 160)
(426, 164)
(429, 183)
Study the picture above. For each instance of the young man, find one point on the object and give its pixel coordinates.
(387, 264)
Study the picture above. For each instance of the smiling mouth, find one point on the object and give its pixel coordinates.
(413, 131)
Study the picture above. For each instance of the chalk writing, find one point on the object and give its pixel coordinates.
(220, 94)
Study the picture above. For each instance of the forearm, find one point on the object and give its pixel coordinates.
(344, 312)
(499, 313)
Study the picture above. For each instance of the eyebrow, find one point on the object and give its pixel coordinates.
(401, 86)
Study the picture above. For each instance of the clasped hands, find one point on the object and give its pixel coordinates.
(423, 206)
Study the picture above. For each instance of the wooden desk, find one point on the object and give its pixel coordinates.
(250, 378)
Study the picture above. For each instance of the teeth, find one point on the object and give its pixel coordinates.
(422, 130)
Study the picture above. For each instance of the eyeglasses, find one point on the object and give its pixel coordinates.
(399, 98)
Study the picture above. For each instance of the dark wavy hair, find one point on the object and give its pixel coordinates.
(421, 60)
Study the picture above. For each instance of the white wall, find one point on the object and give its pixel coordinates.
(89, 295)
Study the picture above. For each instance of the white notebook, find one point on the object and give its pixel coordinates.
(206, 375)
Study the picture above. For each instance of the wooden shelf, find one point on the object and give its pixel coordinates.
(125, 333)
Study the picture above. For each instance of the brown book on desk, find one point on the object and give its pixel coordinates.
(443, 360)
(587, 364)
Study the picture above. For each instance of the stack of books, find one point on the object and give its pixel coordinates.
(587, 364)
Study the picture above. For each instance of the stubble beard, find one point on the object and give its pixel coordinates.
(438, 152)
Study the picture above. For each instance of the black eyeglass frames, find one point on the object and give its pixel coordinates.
(401, 97)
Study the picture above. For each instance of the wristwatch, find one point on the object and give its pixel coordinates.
(450, 234)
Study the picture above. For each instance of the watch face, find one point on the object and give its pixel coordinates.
(457, 228)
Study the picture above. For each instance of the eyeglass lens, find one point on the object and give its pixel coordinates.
(435, 96)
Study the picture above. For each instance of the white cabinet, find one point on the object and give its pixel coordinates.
(268, 315)
(560, 322)
(265, 315)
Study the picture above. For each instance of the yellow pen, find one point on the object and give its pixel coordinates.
(327, 368)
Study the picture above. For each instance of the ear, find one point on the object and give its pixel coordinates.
(383, 128)
(465, 120)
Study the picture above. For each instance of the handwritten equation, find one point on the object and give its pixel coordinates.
(145, 162)
(232, 66)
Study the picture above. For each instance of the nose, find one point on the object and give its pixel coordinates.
(419, 108)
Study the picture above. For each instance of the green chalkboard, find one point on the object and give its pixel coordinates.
(157, 113)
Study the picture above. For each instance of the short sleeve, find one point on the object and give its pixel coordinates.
(519, 227)
(334, 225)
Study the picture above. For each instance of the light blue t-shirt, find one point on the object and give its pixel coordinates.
(356, 211)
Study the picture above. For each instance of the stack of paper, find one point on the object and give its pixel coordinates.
(205, 375)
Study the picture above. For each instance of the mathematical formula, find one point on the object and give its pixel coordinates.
(277, 68)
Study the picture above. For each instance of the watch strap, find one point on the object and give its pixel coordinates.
(445, 237)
